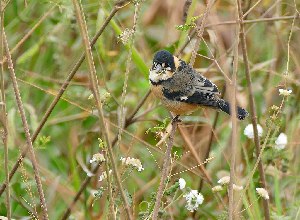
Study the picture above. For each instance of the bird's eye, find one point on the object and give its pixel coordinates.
(157, 67)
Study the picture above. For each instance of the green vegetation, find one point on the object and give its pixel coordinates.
(72, 148)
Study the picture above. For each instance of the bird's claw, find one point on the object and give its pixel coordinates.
(176, 119)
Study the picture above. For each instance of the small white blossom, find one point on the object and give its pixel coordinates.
(263, 193)
(103, 176)
(132, 162)
(193, 200)
(250, 133)
(285, 92)
(237, 187)
(182, 183)
(126, 35)
(91, 96)
(224, 180)
(281, 141)
(97, 158)
(217, 188)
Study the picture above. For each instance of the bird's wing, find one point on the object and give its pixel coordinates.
(202, 84)
(192, 88)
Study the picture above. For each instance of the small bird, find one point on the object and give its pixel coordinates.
(182, 89)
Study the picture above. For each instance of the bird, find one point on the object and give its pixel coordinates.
(182, 89)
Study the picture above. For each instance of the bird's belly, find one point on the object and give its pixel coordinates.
(178, 108)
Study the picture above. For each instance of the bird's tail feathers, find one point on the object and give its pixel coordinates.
(225, 107)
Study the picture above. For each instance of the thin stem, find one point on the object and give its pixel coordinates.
(113, 143)
(111, 214)
(252, 107)
(94, 82)
(61, 91)
(200, 30)
(26, 128)
(3, 117)
(184, 135)
(259, 20)
(122, 118)
(165, 170)
(211, 136)
(186, 7)
(93, 79)
(232, 91)
(29, 33)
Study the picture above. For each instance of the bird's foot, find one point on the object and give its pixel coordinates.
(176, 119)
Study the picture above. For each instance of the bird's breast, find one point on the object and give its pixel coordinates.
(157, 90)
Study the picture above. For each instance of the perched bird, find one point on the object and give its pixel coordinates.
(182, 89)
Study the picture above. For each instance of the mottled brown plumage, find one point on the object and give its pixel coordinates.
(182, 89)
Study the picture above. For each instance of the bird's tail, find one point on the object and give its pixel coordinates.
(225, 107)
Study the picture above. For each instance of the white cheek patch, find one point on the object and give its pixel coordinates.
(153, 76)
(182, 98)
(156, 76)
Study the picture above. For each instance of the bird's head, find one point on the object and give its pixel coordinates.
(163, 67)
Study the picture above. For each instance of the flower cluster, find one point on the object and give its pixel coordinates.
(224, 180)
(97, 158)
(126, 35)
(285, 92)
(217, 188)
(136, 163)
(193, 200)
(280, 142)
(263, 193)
(91, 96)
(237, 187)
(103, 176)
(250, 133)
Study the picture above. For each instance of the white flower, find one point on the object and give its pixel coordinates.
(250, 133)
(91, 96)
(285, 92)
(193, 200)
(182, 183)
(126, 35)
(281, 141)
(132, 162)
(97, 158)
(224, 180)
(263, 193)
(237, 187)
(217, 188)
(103, 176)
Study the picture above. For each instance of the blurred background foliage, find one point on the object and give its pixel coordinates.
(70, 136)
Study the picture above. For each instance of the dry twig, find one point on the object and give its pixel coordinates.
(61, 91)
(232, 90)
(26, 128)
(94, 82)
(252, 106)
(165, 170)
(3, 116)
(84, 184)
(200, 30)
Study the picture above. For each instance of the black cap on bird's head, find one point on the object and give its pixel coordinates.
(164, 58)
